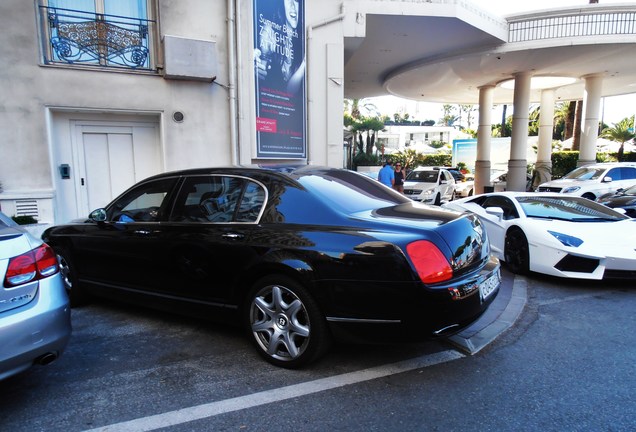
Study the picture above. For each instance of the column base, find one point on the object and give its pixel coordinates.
(482, 176)
(517, 175)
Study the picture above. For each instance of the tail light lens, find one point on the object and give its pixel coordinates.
(430, 263)
(36, 264)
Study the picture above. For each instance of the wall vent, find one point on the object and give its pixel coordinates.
(27, 207)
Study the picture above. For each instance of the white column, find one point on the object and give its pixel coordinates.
(517, 165)
(484, 133)
(543, 167)
(591, 110)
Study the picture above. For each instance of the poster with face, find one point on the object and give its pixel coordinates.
(279, 70)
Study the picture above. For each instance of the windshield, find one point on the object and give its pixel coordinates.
(351, 192)
(630, 191)
(585, 173)
(574, 209)
(423, 176)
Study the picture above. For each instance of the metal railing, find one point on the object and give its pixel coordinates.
(573, 24)
(79, 37)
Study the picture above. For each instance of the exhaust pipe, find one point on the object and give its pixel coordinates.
(46, 359)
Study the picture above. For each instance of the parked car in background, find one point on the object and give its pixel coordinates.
(499, 181)
(297, 255)
(592, 181)
(35, 315)
(466, 187)
(556, 234)
(621, 199)
(430, 185)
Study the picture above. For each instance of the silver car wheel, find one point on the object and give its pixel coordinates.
(280, 323)
(65, 271)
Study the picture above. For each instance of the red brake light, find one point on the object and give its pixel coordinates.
(36, 264)
(430, 263)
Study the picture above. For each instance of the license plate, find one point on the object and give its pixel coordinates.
(489, 286)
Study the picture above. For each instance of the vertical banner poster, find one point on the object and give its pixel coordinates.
(279, 66)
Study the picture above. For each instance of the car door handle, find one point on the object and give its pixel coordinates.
(232, 236)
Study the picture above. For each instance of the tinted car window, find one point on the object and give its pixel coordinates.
(215, 199)
(615, 174)
(143, 203)
(509, 209)
(628, 173)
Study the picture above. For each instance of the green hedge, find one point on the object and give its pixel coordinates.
(565, 161)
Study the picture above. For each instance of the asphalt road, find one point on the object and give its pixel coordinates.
(567, 364)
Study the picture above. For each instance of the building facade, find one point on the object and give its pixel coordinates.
(99, 94)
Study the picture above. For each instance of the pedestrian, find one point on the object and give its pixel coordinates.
(386, 175)
(400, 175)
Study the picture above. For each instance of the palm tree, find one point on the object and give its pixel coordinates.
(448, 118)
(621, 132)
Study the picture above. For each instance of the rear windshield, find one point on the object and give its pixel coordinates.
(351, 192)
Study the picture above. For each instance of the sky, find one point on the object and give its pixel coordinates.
(614, 108)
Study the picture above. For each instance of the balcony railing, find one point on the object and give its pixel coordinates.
(78, 37)
(573, 24)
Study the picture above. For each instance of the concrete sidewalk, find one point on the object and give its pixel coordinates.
(500, 316)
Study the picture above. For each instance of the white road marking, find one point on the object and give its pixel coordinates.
(212, 409)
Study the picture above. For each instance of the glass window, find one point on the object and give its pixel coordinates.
(573, 209)
(215, 198)
(144, 203)
(614, 174)
(423, 176)
(251, 203)
(351, 192)
(585, 173)
(99, 32)
(628, 173)
(508, 207)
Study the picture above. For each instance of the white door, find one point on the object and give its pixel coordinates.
(113, 158)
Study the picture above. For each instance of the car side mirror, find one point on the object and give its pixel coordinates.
(496, 211)
(98, 215)
(607, 179)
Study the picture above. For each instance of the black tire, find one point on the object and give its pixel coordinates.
(517, 252)
(76, 295)
(284, 323)
(438, 200)
(589, 196)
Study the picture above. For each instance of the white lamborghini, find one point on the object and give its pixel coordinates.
(558, 235)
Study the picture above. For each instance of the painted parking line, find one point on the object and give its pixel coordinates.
(212, 409)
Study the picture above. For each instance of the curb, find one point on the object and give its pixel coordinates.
(501, 315)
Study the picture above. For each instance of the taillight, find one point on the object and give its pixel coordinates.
(430, 263)
(36, 264)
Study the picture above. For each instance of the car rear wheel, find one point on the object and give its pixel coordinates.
(589, 196)
(516, 252)
(69, 275)
(438, 200)
(285, 323)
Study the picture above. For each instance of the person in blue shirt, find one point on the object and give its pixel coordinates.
(387, 174)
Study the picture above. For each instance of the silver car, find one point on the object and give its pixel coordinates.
(35, 315)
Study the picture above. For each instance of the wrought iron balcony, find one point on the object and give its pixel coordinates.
(79, 37)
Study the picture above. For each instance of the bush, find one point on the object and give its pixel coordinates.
(440, 159)
(365, 160)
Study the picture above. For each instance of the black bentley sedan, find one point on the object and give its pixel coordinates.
(298, 256)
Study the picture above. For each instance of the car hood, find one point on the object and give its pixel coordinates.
(567, 182)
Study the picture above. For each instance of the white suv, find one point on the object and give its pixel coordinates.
(592, 181)
(430, 185)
